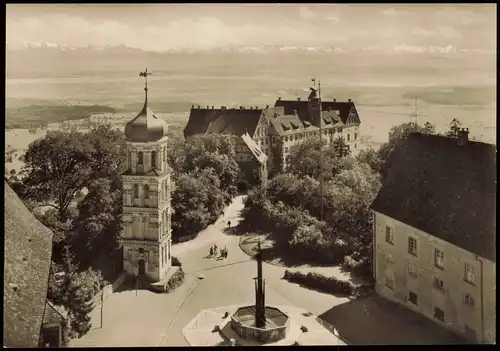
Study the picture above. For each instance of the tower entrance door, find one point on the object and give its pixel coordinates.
(142, 267)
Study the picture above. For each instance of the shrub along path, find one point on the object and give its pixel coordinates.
(277, 257)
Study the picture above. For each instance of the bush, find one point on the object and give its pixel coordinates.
(359, 265)
(175, 281)
(176, 262)
(320, 282)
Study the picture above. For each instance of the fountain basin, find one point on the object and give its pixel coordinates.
(244, 324)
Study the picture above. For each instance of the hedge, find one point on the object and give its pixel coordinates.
(320, 282)
(175, 280)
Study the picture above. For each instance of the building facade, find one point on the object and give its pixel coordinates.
(434, 234)
(147, 210)
(276, 129)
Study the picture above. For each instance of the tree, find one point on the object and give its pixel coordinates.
(75, 291)
(303, 159)
(455, 125)
(108, 153)
(189, 204)
(369, 157)
(97, 227)
(429, 128)
(340, 147)
(57, 167)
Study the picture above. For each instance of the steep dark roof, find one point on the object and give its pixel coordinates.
(222, 121)
(343, 108)
(28, 252)
(445, 190)
(199, 120)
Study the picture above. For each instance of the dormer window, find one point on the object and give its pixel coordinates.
(140, 158)
(153, 159)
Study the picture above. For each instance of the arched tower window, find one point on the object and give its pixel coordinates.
(136, 191)
(146, 191)
(140, 158)
(153, 159)
(165, 154)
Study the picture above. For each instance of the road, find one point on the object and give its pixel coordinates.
(144, 318)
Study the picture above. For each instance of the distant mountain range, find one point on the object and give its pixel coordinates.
(49, 47)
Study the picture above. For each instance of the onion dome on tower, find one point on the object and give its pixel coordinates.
(146, 126)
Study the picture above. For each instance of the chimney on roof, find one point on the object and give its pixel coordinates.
(241, 107)
(334, 100)
(463, 136)
(267, 106)
(223, 107)
(256, 107)
(192, 106)
(212, 107)
(279, 98)
(349, 100)
(295, 112)
(298, 99)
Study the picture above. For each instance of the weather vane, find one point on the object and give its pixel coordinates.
(145, 74)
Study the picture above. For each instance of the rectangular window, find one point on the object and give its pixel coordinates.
(469, 274)
(469, 300)
(286, 138)
(412, 246)
(389, 235)
(355, 136)
(439, 258)
(339, 130)
(438, 283)
(348, 137)
(413, 270)
(439, 314)
(413, 298)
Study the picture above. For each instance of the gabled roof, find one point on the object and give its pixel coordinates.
(27, 258)
(222, 121)
(301, 106)
(445, 190)
(254, 148)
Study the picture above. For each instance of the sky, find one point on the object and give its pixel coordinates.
(160, 27)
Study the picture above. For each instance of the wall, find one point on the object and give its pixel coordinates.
(451, 300)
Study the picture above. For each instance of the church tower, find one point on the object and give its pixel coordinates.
(146, 223)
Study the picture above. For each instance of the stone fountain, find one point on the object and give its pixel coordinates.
(257, 324)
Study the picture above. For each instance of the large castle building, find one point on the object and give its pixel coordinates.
(146, 219)
(275, 129)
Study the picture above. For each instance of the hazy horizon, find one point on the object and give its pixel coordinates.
(159, 27)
